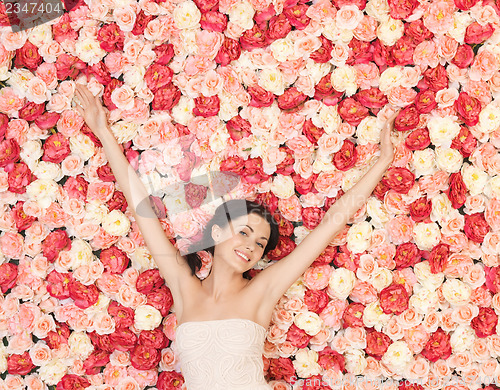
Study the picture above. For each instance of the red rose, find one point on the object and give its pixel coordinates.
(153, 338)
(8, 276)
(195, 194)
(47, 120)
(361, 52)
(476, 227)
(303, 186)
(420, 209)
(166, 97)
(9, 152)
(111, 37)
(284, 247)
(60, 336)
(108, 90)
(213, 21)
(485, 323)
(380, 190)
(206, 106)
(101, 342)
(324, 53)
(238, 128)
(22, 221)
(164, 53)
(123, 339)
(425, 101)
(468, 108)
(55, 242)
(407, 255)
(492, 278)
(465, 5)
(394, 299)
(115, 261)
(158, 76)
(19, 177)
(399, 179)
(324, 88)
(253, 173)
(438, 346)
(382, 55)
(282, 368)
(328, 359)
(149, 281)
(285, 227)
(297, 17)
(437, 259)
(407, 119)
(20, 364)
(286, 166)
(270, 202)
(254, 38)
(463, 57)
(291, 98)
(436, 78)
(352, 111)
(476, 34)
(31, 111)
(353, 315)
(4, 124)
(312, 216)
(230, 50)
(100, 71)
(84, 296)
(56, 148)
(278, 27)
(161, 299)
(144, 358)
(346, 157)
(169, 380)
(72, 382)
(298, 337)
(326, 257)
(186, 166)
(105, 173)
(97, 360)
(402, 50)
(62, 30)
(263, 16)
(68, 65)
(457, 191)
(76, 187)
(402, 9)
(141, 22)
(58, 284)
(418, 139)
(232, 164)
(312, 133)
(28, 56)
(207, 5)
(371, 98)
(464, 142)
(260, 97)
(122, 315)
(346, 260)
(361, 4)
(316, 300)
(417, 31)
(377, 343)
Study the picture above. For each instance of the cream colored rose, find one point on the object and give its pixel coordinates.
(95, 210)
(300, 232)
(350, 178)
(373, 316)
(306, 363)
(309, 322)
(80, 344)
(423, 162)
(89, 50)
(462, 338)
(336, 34)
(343, 79)
(282, 49)
(3, 358)
(442, 130)
(41, 34)
(80, 253)
(186, 15)
(241, 14)
(489, 118)
(359, 237)
(316, 70)
(426, 235)
(378, 9)
(355, 361)
(461, 20)
(124, 131)
(474, 178)
(82, 146)
(456, 292)
(146, 317)
(328, 118)
(283, 186)
(368, 131)
(390, 78)
(423, 300)
(48, 170)
(341, 282)
(100, 307)
(18, 80)
(52, 372)
(43, 191)
(426, 278)
(441, 207)
(297, 289)
(381, 279)
(449, 159)
(377, 212)
(398, 356)
(218, 140)
(142, 259)
(228, 106)
(390, 30)
(31, 152)
(116, 223)
(182, 112)
(272, 80)
(492, 187)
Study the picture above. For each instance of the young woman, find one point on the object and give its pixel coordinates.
(223, 318)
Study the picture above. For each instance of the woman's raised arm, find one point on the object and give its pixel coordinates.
(171, 264)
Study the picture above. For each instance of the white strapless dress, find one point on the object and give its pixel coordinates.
(221, 354)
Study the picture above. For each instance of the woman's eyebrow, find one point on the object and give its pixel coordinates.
(253, 231)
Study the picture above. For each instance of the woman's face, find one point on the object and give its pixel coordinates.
(243, 241)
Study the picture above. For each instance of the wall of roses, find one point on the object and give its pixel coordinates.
(291, 96)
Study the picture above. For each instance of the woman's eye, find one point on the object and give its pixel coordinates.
(262, 246)
(242, 232)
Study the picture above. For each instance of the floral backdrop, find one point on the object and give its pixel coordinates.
(291, 96)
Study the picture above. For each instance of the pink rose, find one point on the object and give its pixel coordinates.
(323, 54)
(352, 111)
(468, 108)
(57, 284)
(149, 281)
(31, 111)
(97, 360)
(20, 364)
(298, 337)
(170, 380)
(55, 242)
(108, 90)
(229, 51)
(361, 52)
(282, 368)
(353, 315)
(417, 31)
(436, 78)
(84, 296)
(464, 142)
(213, 21)
(465, 5)
(19, 177)
(9, 152)
(346, 157)
(23, 222)
(161, 299)
(141, 21)
(260, 97)
(316, 300)
(207, 5)
(56, 148)
(312, 216)
(279, 26)
(238, 128)
(8, 276)
(303, 186)
(371, 98)
(297, 17)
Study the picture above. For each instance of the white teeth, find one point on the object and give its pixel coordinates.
(242, 255)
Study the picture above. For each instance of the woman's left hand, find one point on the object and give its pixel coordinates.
(386, 146)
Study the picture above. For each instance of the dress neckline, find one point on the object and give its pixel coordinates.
(224, 319)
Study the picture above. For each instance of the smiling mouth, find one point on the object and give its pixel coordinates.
(242, 256)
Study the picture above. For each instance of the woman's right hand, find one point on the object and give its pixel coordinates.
(92, 110)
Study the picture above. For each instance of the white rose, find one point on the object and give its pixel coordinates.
(462, 338)
(182, 112)
(300, 232)
(335, 34)
(82, 145)
(328, 118)
(489, 118)
(492, 187)
(355, 361)
(359, 237)
(423, 162)
(282, 49)
(124, 131)
(343, 79)
(283, 186)
(41, 34)
(94, 210)
(186, 15)
(378, 9)
(3, 358)
(297, 289)
(100, 308)
(456, 292)
(426, 235)
(341, 282)
(474, 178)
(31, 152)
(441, 207)
(272, 80)
(89, 50)
(141, 259)
(461, 21)
(423, 300)
(80, 344)
(449, 159)
(390, 78)
(377, 212)
(218, 140)
(373, 316)
(442, 130)
(80, 253)
(381, 279)
(350, 178)
(19, 79)
(52, 372)
(390, 30)
(316, 70)
(43, 191)
(368, 130)
(309, 322)
(116, 223)
(146, 317)
(48, 170)
(228, 106)
(242, 14)
(397, 357)
(426, 278)
(306, 363)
